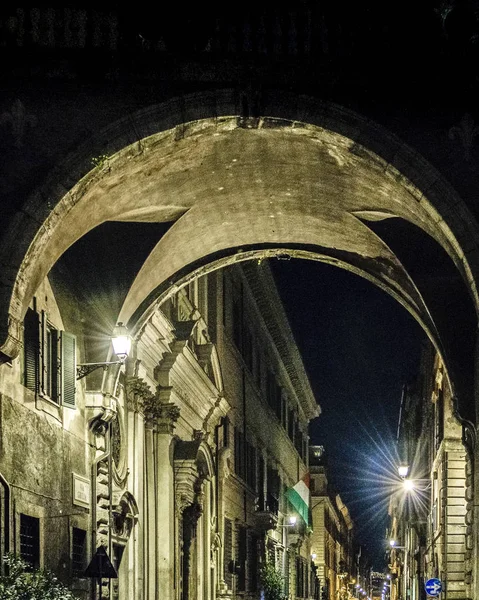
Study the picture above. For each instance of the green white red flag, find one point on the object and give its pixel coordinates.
(299, 497)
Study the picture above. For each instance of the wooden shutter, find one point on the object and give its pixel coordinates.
(31, 350)
(228, 552)
(55, 365)
(241, 554)
(68, 368)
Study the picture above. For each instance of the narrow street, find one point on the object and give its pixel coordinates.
(239, 298)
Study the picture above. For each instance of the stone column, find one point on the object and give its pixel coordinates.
(160, 419)
(137, 393)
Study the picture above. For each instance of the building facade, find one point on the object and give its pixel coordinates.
(176, 461)
(431, 518)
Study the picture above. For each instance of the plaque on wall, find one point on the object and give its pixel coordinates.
(81, 491)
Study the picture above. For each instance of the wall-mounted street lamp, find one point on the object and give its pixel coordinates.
(394, 545)
(408, 483)
(121, 341)
(292, 520)
(420, 485)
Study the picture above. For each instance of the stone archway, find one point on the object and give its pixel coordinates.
(308, 179)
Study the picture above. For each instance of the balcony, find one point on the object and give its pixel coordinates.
(266, 513)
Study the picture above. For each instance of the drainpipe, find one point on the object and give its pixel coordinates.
(7, 505)
(94, 475)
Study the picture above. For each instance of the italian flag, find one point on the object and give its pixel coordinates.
(299, 496)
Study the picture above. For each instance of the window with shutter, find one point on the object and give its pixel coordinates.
(49, 360)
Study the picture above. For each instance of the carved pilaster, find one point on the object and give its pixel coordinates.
(163, 393)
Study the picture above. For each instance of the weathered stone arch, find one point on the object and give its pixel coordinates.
(308, 176)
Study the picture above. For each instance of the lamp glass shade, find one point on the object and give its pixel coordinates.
(292, 520)
(121, 341)
(403, 470)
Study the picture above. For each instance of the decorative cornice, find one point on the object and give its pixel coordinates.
(163, 369)
(188, 484)
(186, 474)
(184, 329)
(261, 284)
(220, 409)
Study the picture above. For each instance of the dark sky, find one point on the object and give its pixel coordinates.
(359, 347)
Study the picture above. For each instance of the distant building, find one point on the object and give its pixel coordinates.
(332, 537)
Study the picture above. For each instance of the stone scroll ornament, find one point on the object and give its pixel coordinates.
(19, 120)
(465, 132)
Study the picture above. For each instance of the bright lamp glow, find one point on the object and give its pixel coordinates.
(292, 520)
(121, 341)
(313, 555)
(408, 485)
(403, 470)
(392, 543)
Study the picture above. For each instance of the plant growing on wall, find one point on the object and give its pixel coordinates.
(271, 582)
(19, 583)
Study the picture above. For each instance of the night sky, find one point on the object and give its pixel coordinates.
(359, 347)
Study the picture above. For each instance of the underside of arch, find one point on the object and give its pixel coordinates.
(228, 186)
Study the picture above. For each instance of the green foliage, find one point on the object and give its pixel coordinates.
(21, 584)
(100, 161)
(271, 582)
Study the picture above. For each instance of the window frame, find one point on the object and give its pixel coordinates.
(78, 572)
(22, 518)
(49, 360)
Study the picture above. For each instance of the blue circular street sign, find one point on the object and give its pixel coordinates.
(433, 587)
